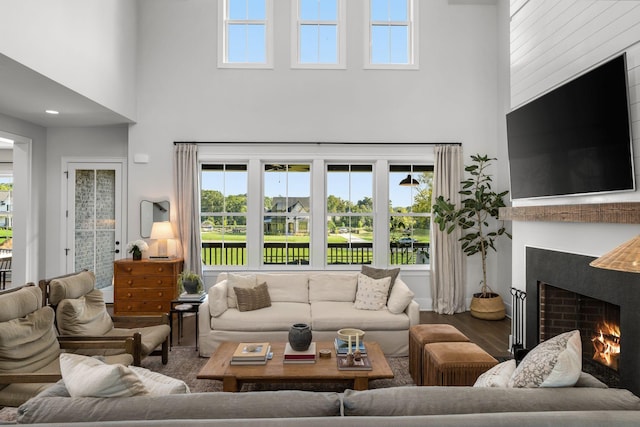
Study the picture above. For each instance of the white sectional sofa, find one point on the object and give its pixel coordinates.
(324, 300)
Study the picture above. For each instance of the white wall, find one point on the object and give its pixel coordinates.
(552, 42)
(182, 95)
(28, 258)
(85, 45)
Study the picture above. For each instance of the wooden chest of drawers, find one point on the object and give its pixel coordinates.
(146, 286)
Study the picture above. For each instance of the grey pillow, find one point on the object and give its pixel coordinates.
(379, 273)
(250, 299)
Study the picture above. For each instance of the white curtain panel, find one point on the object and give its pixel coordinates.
(187, 184)
(448, 268)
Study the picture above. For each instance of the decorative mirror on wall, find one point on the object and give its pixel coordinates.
(151, 212)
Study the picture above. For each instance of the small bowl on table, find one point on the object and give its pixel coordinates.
(345, 333)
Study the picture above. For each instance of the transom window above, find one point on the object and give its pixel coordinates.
(245, 33)
(392, 41)
(318, 34)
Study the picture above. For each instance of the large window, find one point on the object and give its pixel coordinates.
(223, 206)
(319, 36)
(393, 29)
(287, 213)
(409, 213)
(349, 214)
(245, 33)
(315, 206)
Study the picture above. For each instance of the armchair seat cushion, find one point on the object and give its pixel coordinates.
(152, 336)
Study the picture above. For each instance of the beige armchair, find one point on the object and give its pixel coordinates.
(81, 312)
(30, 350)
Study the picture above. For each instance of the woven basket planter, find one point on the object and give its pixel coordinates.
(491, 308)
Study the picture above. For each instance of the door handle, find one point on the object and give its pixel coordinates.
(117, 251)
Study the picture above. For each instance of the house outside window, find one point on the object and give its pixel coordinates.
(410, 189)
(393, 34)
(318, 34)
(287, 213)
(245, 34)
(349, 214)
(322, 206)
(223, 213)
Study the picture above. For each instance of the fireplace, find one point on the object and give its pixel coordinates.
(565, 293)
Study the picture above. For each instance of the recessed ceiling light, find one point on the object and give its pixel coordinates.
(6, 140)
(54, 112)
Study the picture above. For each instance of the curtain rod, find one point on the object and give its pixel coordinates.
(317, 143)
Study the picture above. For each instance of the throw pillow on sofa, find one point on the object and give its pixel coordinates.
(379, 273)
(498, 376)
(399, 298)
(218, 299)
(250, 299)
(235, 280)
(371, 293)
(556, 362)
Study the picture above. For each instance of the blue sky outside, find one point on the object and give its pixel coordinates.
(318, 43)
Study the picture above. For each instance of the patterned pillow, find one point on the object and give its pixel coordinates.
(556, 362)
(498, 376)
(250, 299)
(379, 273)
(371, 293)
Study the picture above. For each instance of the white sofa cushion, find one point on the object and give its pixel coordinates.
(286, 287)
(400, 297)
(332, 315)
(279, 317)
(218, 298)
(235, 280)
(333, 287)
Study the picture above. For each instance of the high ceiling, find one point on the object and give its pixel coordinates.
(26, 94)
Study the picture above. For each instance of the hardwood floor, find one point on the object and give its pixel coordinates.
(490, 335)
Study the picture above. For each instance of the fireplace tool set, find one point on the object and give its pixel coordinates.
(517, 323)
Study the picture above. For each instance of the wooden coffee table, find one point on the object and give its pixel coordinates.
(275, 371)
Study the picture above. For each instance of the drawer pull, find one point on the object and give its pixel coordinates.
(129, 307)
(129, 294)
(129, 269)
(160, 269)
(129, 282)
(160, 294)
(159, 307)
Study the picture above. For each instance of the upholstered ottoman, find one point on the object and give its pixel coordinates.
(455, 363)
(419, 335)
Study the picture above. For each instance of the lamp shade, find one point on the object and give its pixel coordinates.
(162, 230)
(409, 182)
(625, 257)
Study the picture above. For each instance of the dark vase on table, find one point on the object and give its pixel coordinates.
(300, 336)
(137, 255)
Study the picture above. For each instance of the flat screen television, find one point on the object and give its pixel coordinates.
(575, 139)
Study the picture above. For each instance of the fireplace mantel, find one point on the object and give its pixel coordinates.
(619, 213)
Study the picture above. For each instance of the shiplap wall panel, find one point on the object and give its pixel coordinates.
(583, 35)
(553, 42)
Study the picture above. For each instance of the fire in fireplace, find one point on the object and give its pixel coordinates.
(598, 321)
(606, 345)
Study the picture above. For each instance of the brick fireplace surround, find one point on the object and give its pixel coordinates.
(573, 273)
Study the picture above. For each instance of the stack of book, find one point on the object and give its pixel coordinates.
(192, 297)
(342, 347)
(305, 356)
(251, 353)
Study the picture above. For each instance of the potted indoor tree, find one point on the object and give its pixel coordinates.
(477, 217)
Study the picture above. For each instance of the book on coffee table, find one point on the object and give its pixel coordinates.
(251, 351)
(296, 356)
(364, 364)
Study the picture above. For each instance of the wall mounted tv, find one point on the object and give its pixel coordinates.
(575, 139)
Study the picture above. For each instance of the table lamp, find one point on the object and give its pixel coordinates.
(162, 231)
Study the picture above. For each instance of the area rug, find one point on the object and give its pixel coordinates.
(184, 363)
